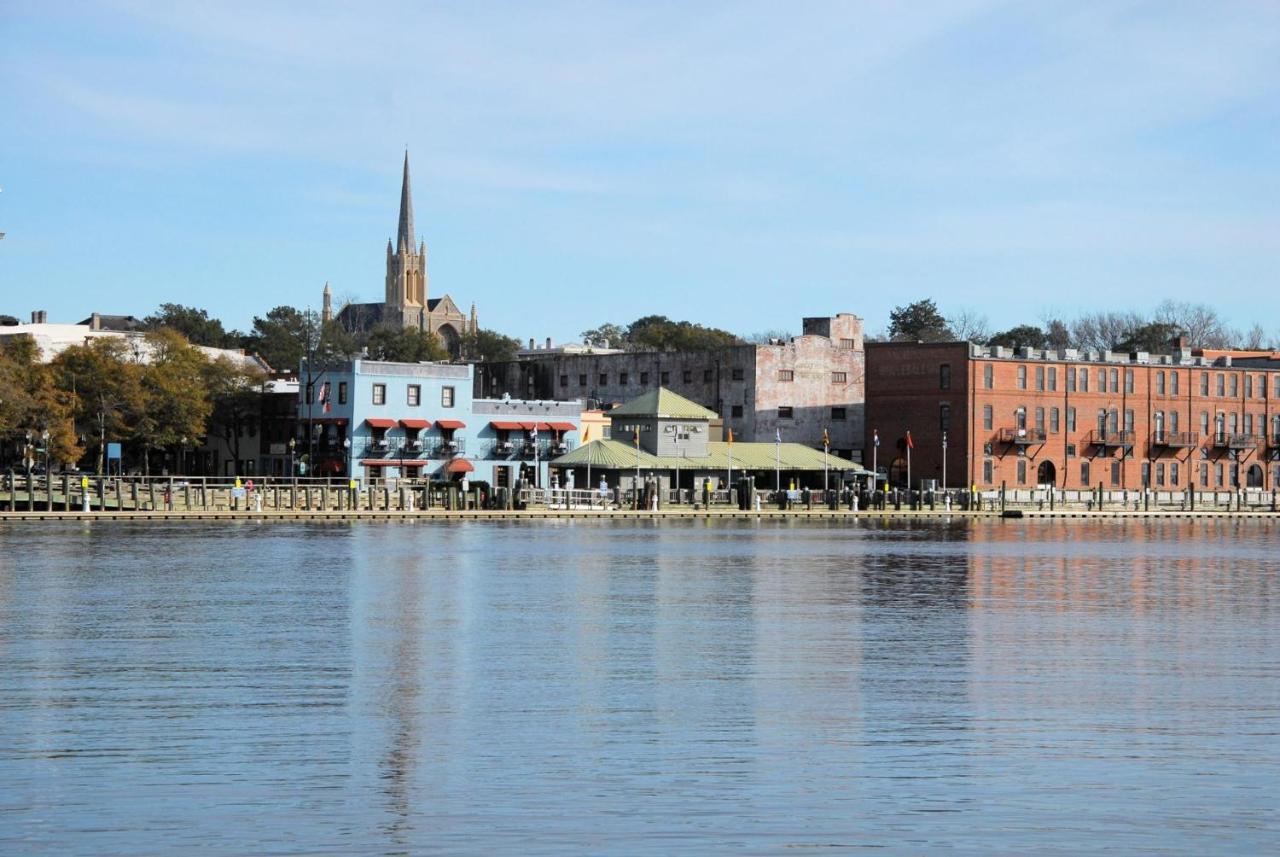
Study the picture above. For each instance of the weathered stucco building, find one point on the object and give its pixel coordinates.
(793, 389)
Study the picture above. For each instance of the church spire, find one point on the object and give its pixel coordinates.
(405, 235)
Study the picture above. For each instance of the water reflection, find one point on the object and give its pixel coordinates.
(702, 686)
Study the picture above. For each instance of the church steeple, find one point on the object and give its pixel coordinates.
(407, 262)
(405, 234)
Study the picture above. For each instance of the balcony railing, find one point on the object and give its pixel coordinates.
(1111, 439)
(1023, 436)
(1176, 439)
(399, 447)
(1237, 440)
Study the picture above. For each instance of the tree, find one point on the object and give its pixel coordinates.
(286, 335)
(488, 346)
(280, 338)
(1057, 335)
(1104, 331)
(918, 322)
(1200, 325)
(1154, 337)
(235, 398)
(605, 336)
(105, 382)
(405, 345)
(1022, 336)
(969, 326)
(194, 324)
(30, 401)
(659, 333)
(176, 406)
(764, 337)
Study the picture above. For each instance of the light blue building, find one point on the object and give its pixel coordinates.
(372, 419)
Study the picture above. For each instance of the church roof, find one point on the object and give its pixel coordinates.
(405, 233)
(665, 404)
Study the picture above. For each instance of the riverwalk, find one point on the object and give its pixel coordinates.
(682, 513)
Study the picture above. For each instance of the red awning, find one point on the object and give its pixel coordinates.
(563, 427)
(380, 422)
(459, 465)
(450, 424)
(379, 462)
(505, 426)
(539, 426)
(416, 424)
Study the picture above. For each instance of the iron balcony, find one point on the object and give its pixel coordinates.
(1176, 439)
(1237, 440)
(1111, 439)
(1023, 436)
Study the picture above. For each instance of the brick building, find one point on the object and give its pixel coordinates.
(1075, 419)
(795, 388)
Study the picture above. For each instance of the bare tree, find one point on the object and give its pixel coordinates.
(764, 337)
(1103, 331)
(1254, 339)
(1201, 326)
(969, 326)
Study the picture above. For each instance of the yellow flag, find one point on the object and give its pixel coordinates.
(637, 435)
(586, 430)
(730, 436)
(826, 438)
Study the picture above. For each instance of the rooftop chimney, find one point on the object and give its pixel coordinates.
(39, 316)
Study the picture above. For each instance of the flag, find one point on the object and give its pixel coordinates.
(586, 430)
(534, 434)
(777, 435)
(636, 435)
(875, 437)
(731, 437)
(910, 445)
(826, 438)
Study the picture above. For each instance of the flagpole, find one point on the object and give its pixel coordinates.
(777, 460)
(729, 478)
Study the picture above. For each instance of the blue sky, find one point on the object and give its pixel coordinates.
(739, 164)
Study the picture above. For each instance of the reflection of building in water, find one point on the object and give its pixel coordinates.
(1098, 613)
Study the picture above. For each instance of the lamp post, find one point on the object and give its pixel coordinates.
(944, 462)
(293, 446)
(875, 455)
(346, 455)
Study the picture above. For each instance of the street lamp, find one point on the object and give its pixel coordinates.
(346, 455)
(293, 445)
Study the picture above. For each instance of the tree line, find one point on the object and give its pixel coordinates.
(285, 334)
(1197, 325)
(152, 396)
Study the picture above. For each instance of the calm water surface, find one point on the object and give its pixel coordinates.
(640, 688)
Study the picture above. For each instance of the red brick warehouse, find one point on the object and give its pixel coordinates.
(1075, 419)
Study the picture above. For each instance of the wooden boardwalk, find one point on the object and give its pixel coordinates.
(682, 513)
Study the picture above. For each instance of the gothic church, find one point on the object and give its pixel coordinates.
(406, 303)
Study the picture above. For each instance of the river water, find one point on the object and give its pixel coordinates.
(694, 687)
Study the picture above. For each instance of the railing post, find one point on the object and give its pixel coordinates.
(1003, 485)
